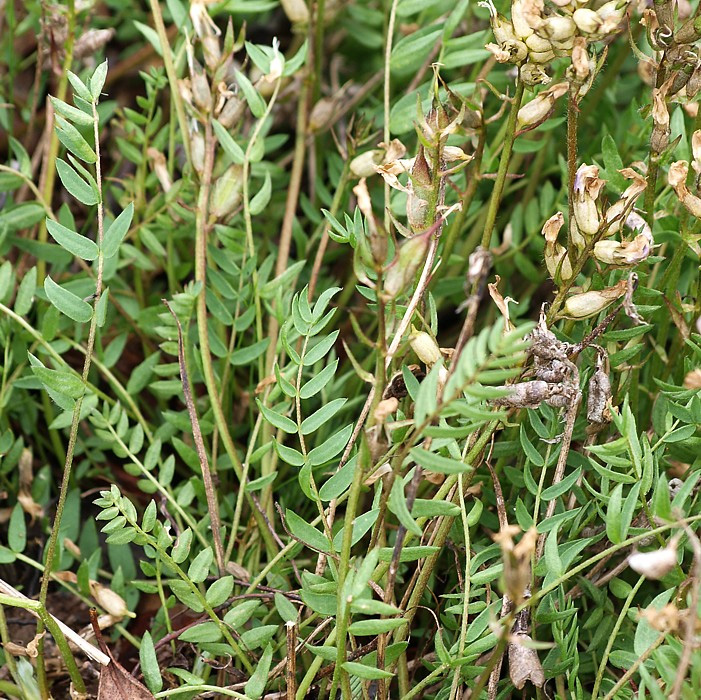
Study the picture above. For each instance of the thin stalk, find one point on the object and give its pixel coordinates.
(623, 680)
(426, 682)
(612, 638)
(387, 88)
(172, 75)
(73, 435)
(342, 610)
(572, 112)
(49, 170)
(499, 183)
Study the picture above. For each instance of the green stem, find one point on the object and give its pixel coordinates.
(426, 682)
(343, 606)
(73, 435)
(172, 76)
(499, 183)
(612, 637)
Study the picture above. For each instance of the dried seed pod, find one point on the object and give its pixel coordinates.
(591, 303)
(558, 28)
(420, 192)
(659, 140)
(396, 386)
(232, 112)
(524, 664)
(525, 394)
(599, 396)
(534, 74)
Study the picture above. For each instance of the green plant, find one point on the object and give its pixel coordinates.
(288, 465)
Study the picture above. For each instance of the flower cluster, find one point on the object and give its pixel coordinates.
(535, 35)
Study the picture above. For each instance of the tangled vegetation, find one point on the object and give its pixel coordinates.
(350, 350)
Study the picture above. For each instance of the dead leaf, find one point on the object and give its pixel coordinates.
(116, 683)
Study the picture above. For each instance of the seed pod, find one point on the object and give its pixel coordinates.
(232, 112)
(524, 664)
(407, 262)
(520, 13)
(558, 28)
(420, 192)
(591, 303)
(539, 109)
(425, 347)
(534, 74)
(201, 93)
(197, 151)
(581, 65)
(599, 397)
(226, 193)
(364, 165)
(587, 187)
(524, 394)
(538, 43)
(694, 84)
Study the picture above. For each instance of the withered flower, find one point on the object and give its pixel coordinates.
(656, 564)
(556, 259)
(676, 177)
(539, 109)
(587, 187)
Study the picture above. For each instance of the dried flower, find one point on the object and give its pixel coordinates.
(591, 303)
(517, 560)
(385, 408)
(587, 186)
(676, 177)
(556, 259)
(365, 164)
(616, 213)
(656, 564)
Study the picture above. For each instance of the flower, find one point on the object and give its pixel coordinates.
(656, 564)
(587, 187)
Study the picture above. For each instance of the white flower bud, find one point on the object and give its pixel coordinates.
(587, 21)
(657, 564)
(538, 43)
(558, 28)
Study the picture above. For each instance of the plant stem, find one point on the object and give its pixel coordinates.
(172, 76)
(73, 435)
(343, 605)
(572, 112)
(612, 638)
(498, 190)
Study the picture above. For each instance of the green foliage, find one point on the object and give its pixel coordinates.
(409, 473)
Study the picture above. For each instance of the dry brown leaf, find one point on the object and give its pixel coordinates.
(116, 683)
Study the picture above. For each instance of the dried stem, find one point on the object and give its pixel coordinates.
(210, 492)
